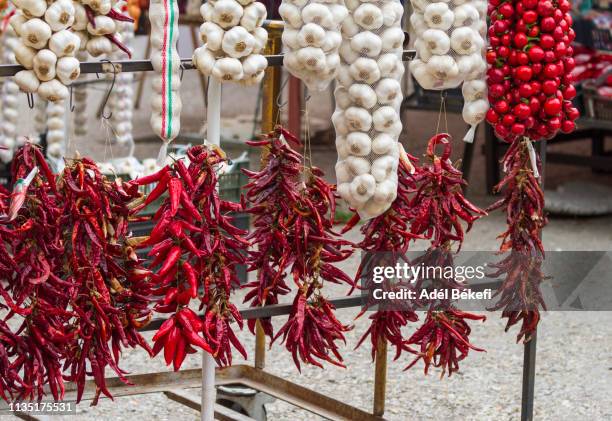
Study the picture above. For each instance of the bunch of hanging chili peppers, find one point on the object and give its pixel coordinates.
(293, 209)
(438, 208)
(385, 240)
(196, 249)
(521, 270)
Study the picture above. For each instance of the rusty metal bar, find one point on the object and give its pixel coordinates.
(187, 399)
(380, 378)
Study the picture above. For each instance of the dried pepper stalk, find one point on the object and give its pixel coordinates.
(388, 234)
(438, 208)
(195, 246)
(522, 269)
(110, 287)
(294, 210)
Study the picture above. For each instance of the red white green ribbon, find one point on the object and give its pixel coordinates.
(166, 72)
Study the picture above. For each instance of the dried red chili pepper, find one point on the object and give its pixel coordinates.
(195, 245)
(521, 270)
(439, 208)
(294, 208)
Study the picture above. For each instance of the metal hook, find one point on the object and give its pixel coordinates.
(279, 103)
(30, 97)
(110, 91)
(72, 106)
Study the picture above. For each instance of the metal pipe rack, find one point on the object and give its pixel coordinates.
(173, 384)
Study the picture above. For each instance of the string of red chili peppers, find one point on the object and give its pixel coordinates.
(293, 209)
(523, 202)
(111, 287)
(438, 209)
(385, 240)
(196, 249)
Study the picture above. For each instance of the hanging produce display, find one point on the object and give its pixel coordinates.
(56, 132)
(195, 248)
(234, 40)
(311, 36)
(80, 100)
(368, 98)
(530, 64)
(9, 113)
(450, 50)
(293, 209)
(165, 98)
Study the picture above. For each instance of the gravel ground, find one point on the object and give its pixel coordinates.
(573, 361)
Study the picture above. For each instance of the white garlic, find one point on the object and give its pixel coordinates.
(436, 41)
(227, 69)
(35, 33)
(368, 16)
(55, 123)
(474, 111)
(27, 81)
(465, 40)
(83, 38)
(442, 67)
(261, 38)
(237, 42)
(392, 39)
(481, 6)
(392, 12)
(254, 64)
(383, 144)
(343, 172)
(331, 42)
(422, 51)
(32, 8)
(384, 118)
(438, 16)
(291, 15)
(418, 24)
(344, 190)
(383, 167)
(68, 70)
(56, 150)
(342, 98)
(253, 16)
(352, 4)
(211, 35)
(64, 43)
(53, 90)
(101, 7)
(349, 27)
(367, 43)
(342, 148)
(97, 46)
(44, 65)
(358, 119)
(311, 35)
(332, 63)
(420, 5)
(347, 53)
(466, 15)
(339, 13)
(339, 123)
(365, 70)
(388, 90)
(104, 26)
(385, 192)
(24, 55)
(319, 14)
(312, 58)
(158, 102)
(362, 188)
(206, 10)
(298, 3)
(60, 15)
(362, 95)
(474, 89)
(226, 13)
(359, 143)
(387, 64)
(16, 21)
(80, 17)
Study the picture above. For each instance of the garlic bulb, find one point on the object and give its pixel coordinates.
(342, 147)
(311, 35)
(362, 95)
(68, 70)
(32, 8)
(418, 23)
(358, 119)
(349, 27)
(358, 165)
(362, 188)
(211, 34)
(27, 81)
(24, 55)
(359, 144)
(436, 42)
(60, 15)
(312, 58)
(465, 40)
(35, 33)
(442, 67)
(392, 12)
(384, 118)
(474, 89)
(341, 95)
(466, 15)
(383, 144)
(53, 90)
(385, 192)
(438, 16)
(474, 112)
(97, 46)
(80, 17)
(368, 16)
(343, 172)
(16, 21)
(383, 167)
(319, 14)
(227, 69)
(227, 13)
(101, 7)
(44, 65)
(347, 53)
(291, 15)
(367, 43)
(332, 42)
(103, 26)
(64, 43)
(388, 90)
(237, 42)
(253, 16)
(392, 39)
(365, 70)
